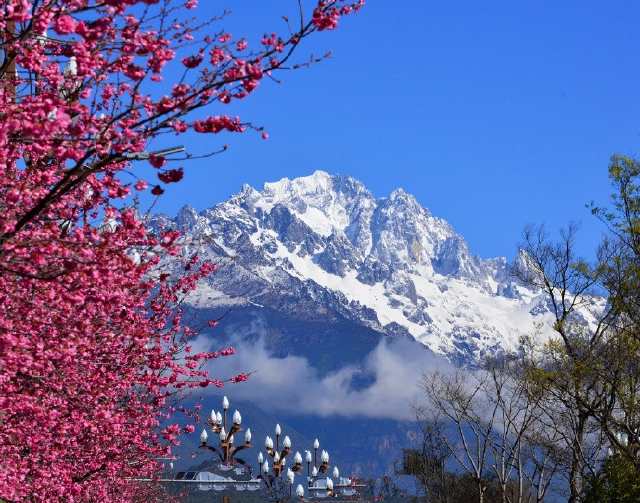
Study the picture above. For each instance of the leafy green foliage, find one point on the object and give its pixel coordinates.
(616, 482)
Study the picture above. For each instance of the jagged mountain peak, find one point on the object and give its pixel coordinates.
(322, 246)
(322, 201)
(402, 196)
(318, 181)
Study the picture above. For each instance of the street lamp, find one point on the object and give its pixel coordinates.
(226, 449)
(323, 467)
(272, 475)
(279, 456)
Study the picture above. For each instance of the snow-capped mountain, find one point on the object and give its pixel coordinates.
(322, 246)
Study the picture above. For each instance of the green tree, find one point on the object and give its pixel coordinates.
(590, 369)
(616, 482)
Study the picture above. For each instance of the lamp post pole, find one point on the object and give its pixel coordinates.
(316, 446)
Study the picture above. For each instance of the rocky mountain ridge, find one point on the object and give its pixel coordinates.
(324, 246)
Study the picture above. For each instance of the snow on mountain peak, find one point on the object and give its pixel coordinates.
(319, 181)
(319, 200)
(324, 244)
(401, 194)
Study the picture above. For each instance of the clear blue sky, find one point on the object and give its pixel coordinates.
(493, 114)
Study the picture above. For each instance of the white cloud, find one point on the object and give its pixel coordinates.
(391, 372)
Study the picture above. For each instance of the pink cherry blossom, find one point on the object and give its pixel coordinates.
(94, 349)
(64, 25)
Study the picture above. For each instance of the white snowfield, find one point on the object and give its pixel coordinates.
(390, 255)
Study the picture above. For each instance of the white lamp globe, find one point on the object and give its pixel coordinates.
(316, 444)
(260, 458)
(286, 443)
(237, 418)
(247, 436)
(225, 403)
(278, 429)
(204, 436)
(300, 491)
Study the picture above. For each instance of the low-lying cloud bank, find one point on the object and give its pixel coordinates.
(389, 379)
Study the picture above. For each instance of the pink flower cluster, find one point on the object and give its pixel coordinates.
(219, 123)
(92, 339)
(171, 175)
(327, 14)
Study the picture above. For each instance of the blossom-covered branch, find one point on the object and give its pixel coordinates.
(93, 344)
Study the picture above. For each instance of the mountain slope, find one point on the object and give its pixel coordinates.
(323, 247)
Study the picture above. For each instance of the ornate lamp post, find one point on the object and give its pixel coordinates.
(271, 474)
(278, 456)
(323, 467)
(226, 449)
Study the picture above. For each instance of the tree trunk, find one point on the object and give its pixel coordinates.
(575, 475)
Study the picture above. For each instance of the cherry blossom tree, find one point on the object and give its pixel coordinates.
(93, 348)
